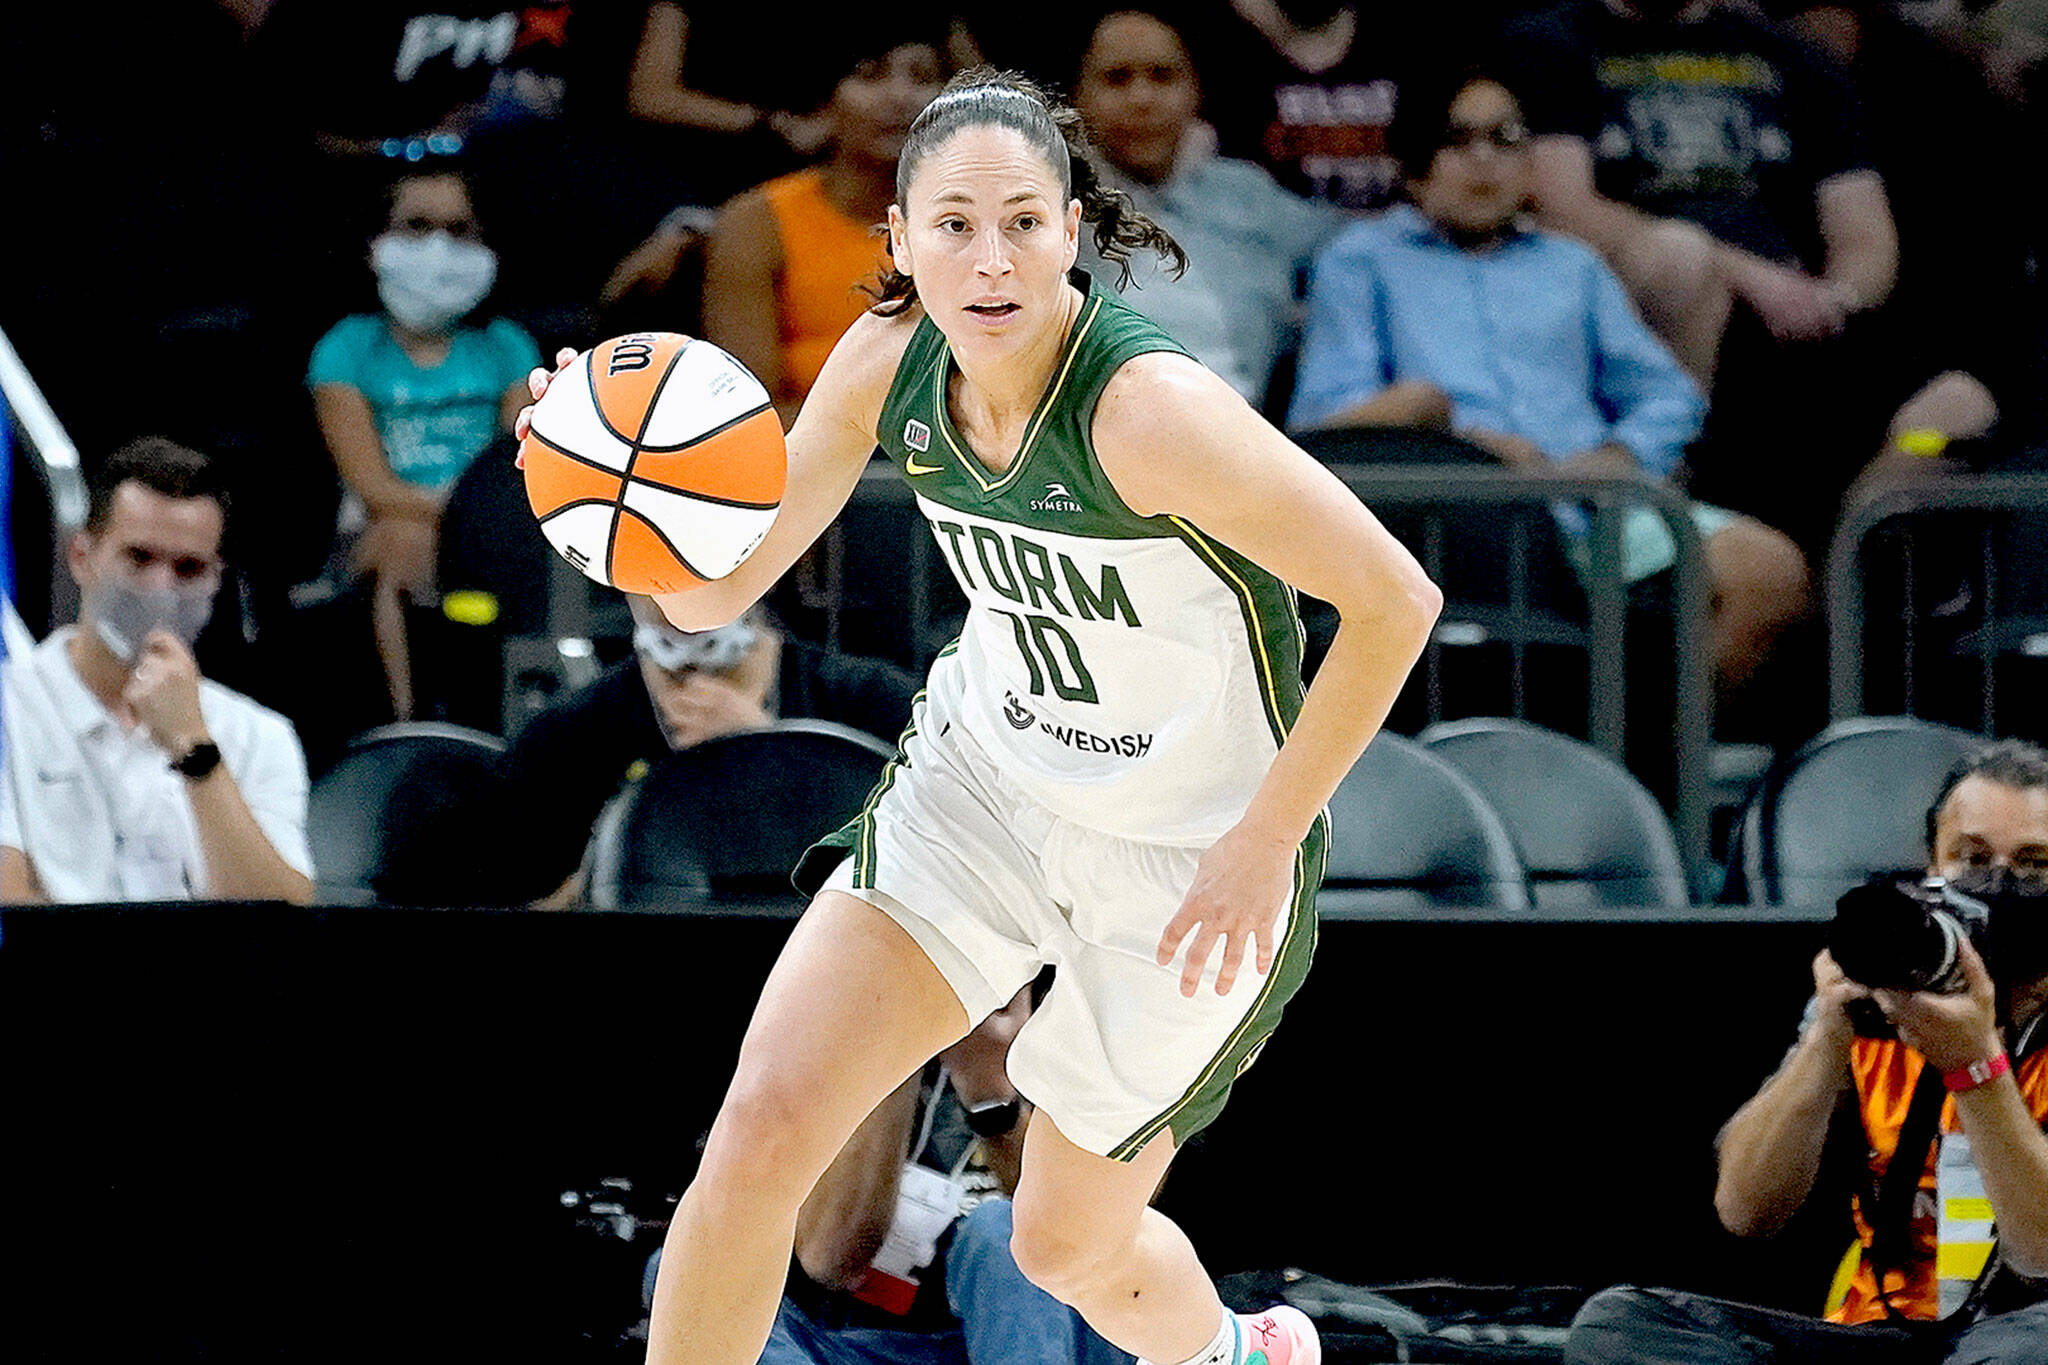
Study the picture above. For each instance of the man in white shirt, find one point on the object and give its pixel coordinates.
(127, 776)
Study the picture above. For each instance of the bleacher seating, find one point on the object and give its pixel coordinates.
(1587, 831)
(1850, 804)
(1412, 832)
(389, 821)
(728, 818)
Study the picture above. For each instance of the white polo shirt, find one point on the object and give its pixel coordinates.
(95, 805)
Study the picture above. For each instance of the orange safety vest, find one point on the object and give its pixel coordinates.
(1886, 1072)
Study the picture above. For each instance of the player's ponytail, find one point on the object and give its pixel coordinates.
(985, 97)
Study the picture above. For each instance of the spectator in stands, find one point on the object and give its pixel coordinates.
(1247, 240)
(786, 262)
(128, 777)
(1987, 835)
(408, 397)
(1307, 88)
(1449, 311)
(1960, 309)
(1721, 167)
(950, 1138)
(678, 689)
(719, 78)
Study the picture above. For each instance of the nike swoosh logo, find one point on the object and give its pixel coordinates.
(911, 466)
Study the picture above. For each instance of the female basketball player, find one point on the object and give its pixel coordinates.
(1116, 764)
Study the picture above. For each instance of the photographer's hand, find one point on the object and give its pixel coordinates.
(1833, 992)
(1950, 1031)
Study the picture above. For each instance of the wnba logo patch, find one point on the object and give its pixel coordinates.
(917, 435)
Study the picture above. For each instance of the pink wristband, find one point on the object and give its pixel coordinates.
(1976, 1073)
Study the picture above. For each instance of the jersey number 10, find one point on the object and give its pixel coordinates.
(1036, 637)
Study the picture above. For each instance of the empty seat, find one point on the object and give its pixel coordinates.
(727, 819)
(1414, 832)
(1588, 832)
(1850, 804)
(390, 821)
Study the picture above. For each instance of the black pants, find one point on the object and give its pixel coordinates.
(1630, 1326)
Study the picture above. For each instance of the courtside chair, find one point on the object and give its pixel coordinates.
(721, 824)
(387, 821)
(1410, 832)
(1588, 832)
(1850, 804)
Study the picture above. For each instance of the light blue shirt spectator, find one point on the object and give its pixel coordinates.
(1248, 241)
(433, 422)
(1533, 337)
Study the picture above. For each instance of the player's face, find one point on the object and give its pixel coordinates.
(1481, 176)
(987, 237)
(873, 106)
(1137, 91)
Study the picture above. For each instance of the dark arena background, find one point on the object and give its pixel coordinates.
(1576, 886)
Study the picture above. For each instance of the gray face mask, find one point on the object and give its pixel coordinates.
(714, 651)
(123, 615)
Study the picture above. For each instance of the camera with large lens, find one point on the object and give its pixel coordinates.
(1903, 935)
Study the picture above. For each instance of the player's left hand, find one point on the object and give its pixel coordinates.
(1950, 1031)
(1241, 886)
(163, 693)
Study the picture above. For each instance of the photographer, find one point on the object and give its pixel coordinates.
(1951, 1266)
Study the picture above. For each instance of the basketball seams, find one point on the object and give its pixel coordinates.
(611, 542)
(623, 511)
(597, 404)
(701, 437)
(692, 493)
(568, 454)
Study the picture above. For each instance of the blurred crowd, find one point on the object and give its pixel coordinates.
(1774, 255)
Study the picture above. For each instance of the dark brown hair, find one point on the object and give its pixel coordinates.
(158, 464)
(2010, 763)
(986, 98)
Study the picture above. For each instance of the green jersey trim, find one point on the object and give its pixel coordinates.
(1203, 1100)
(1274, 627)
(856, 838)
(1091, 309)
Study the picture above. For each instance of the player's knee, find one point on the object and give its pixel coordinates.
(1057, 1251)
(761, 1142)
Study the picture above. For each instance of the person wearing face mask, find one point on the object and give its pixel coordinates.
(1951, 1267)
(407, 398)
(127, 776)
(678, 688)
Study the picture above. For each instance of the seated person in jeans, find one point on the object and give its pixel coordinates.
(903, 1250)
(128, 776)
(1983, 1275)
(678, 689)
(1448, 312)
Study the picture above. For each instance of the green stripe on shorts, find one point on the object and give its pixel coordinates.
(1203, 1101)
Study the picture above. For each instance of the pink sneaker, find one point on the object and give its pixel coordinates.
(1280, 1336)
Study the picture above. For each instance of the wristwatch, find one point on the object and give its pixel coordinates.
(198, 761)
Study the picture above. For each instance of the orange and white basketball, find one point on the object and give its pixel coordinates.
(655, 462)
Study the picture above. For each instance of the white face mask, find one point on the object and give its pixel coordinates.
(713, 651)
(427, 283)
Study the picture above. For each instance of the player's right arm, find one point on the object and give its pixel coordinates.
(828, 448)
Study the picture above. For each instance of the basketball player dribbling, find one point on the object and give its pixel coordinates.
(1114, 769)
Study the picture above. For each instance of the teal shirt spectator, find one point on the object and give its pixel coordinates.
(1248, 242)
(432, 422)
(1533, 337)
